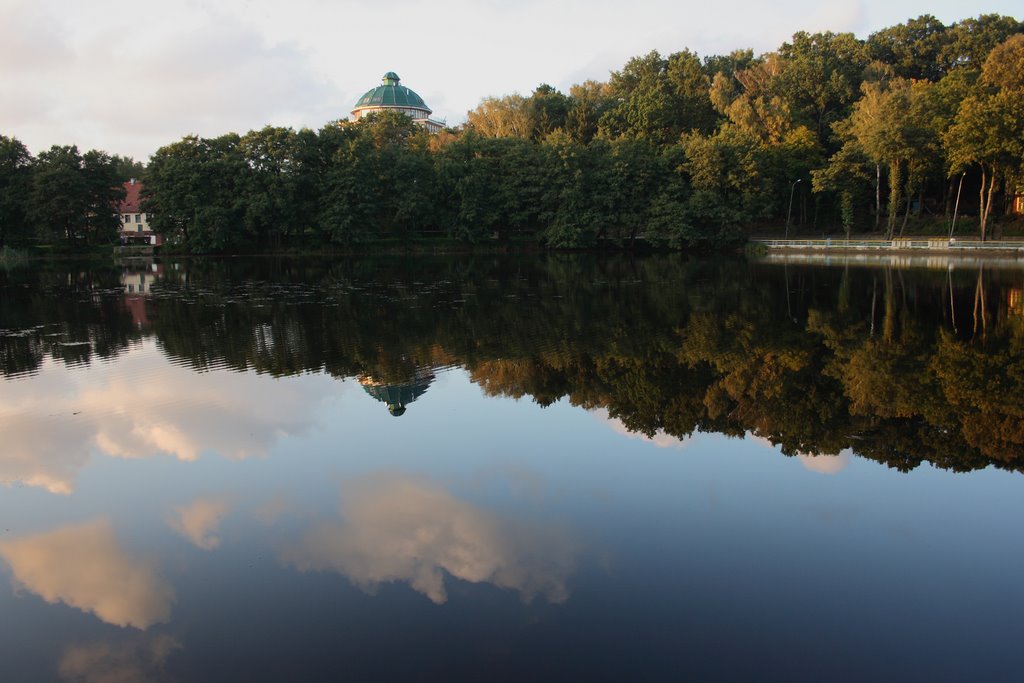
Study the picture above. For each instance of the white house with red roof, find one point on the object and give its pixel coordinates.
(135, 227)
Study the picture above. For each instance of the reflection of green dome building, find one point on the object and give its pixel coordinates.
(392, 96)
(397, 396)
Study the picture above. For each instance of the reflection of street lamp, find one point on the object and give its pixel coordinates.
(790, 214)
(957, 205)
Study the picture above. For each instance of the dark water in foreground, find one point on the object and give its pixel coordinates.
(511, 468)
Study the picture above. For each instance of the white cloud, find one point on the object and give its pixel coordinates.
(397, 528)
(199, 521)
(146, 76)
(82, 565)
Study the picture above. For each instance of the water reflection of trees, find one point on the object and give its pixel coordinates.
(899, 366)
(71, 315)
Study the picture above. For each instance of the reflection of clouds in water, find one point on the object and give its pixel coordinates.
(400, 529)
(660, 438)
(42, 452)
(273, 510)
(142, 406)
(230, 413)
(825, 464)
(198, 521)
(822, 463)
(119, 662)
(83, 566)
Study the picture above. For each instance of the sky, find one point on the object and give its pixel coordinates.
(128, 78)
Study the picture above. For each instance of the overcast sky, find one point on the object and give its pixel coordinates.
(128, 77)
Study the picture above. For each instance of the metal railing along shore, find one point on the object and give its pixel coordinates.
(903, 244)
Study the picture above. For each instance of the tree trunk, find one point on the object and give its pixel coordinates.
(991, 191)
(894, 196)
(906, 215)
(878, 194)
(981, 204)
(987, 201)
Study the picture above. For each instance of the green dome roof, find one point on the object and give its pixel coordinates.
(391, 94)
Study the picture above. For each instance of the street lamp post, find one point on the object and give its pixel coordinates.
(790, 214)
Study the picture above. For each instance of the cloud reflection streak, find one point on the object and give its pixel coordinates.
(119, 662)
(84, 566)
(199, 521)
(397, 528)
(54, 424)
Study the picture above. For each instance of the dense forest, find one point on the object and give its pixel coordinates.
(829, 132)
(900, 366)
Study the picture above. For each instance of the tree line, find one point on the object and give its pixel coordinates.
(828, 132)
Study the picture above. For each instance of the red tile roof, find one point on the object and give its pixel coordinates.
(132, 198)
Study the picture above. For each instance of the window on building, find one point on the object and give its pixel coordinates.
(138, 218)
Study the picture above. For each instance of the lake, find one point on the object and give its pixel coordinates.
(563, 467)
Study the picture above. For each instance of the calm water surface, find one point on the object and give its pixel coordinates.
(490, 468)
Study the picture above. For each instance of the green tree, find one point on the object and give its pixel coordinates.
(74, 197)
(988, 133)
(588, 102)
(1004, 66)
(726, 175)
(691, 86)
(971, 40)
(58, 199)
(891, 126)
(270, 186)
(643, 100)
(846, 175)
(547, 109)
(912, 49)
(820, 77)
(348, 185)
(501, 117)
(104, 190)
(582, 191)
(127, 167)
(195, 189)
(15, 185)
(658, 98)
(750, 100)
(728, 65)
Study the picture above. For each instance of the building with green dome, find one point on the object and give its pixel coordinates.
(391, 95)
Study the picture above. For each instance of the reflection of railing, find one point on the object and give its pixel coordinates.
(932, 244)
